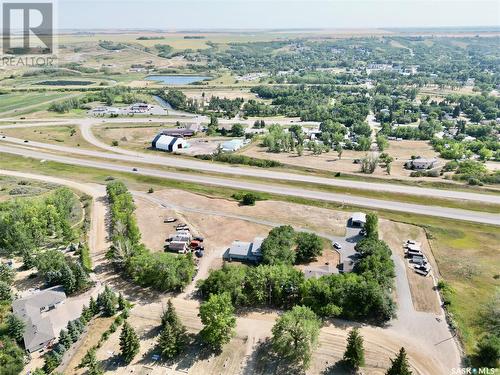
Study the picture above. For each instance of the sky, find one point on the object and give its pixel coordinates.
(274, 14)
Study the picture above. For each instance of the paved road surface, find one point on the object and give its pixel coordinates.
(132, 156)
(450, 213)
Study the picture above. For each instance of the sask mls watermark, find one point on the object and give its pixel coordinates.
(28, 33)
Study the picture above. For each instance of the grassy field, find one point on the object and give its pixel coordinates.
(469, 260)
(12, 187)
(16, 103)
(64, 135)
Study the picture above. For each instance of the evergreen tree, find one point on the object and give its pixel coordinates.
(15, 327)
(86, 315)
(399, 364)
(88, 358)
(169, 316)
(371, 225)
(81, 278)
(107, 302)
(173, 337)
(122, 303)
(354, 354)
(73, 331)
(94, 308)
(172, 341)
(65, 339)
(68, 279)
(129, 343)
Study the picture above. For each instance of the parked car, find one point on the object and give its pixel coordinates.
(134, 169)
(337, 245)
(170, 220)
(198, 239)
(199, 253)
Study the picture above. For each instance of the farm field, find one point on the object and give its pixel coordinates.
(20, 103)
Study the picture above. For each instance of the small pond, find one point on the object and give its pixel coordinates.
(177, 79)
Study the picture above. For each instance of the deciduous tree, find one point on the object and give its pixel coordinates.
(295, 335)
(217, 316)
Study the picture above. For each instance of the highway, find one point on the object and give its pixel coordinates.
(116, 153)
(449, 213)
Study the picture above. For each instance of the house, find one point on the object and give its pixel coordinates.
(319, 271)
(358, 219)
(245, 251)
(39, 330)
(420, 163)
(232, 145)
(168, 143)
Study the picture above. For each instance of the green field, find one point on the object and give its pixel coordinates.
(17, 103)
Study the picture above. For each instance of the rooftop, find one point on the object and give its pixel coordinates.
(39, 329)
(359, 217)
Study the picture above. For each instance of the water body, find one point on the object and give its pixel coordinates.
(177, 79)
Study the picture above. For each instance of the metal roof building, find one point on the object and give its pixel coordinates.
(358, 219)
(168, 143)
(245, 251)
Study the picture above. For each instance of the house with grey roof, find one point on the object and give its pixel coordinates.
(319, 271)
(245, 251)
(39, 330)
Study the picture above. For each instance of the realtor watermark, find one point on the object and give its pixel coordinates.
(474, 371)
(28, 33)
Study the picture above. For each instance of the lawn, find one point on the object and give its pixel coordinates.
(469, 260)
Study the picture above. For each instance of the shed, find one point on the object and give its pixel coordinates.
(178, 246)
(420, 163)
(358, 219)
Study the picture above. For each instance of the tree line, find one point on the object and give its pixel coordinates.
(162, 271)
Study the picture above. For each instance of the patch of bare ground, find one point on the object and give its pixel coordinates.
(329, 257)
(422, 290)
(307, 217)
(401, 151)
